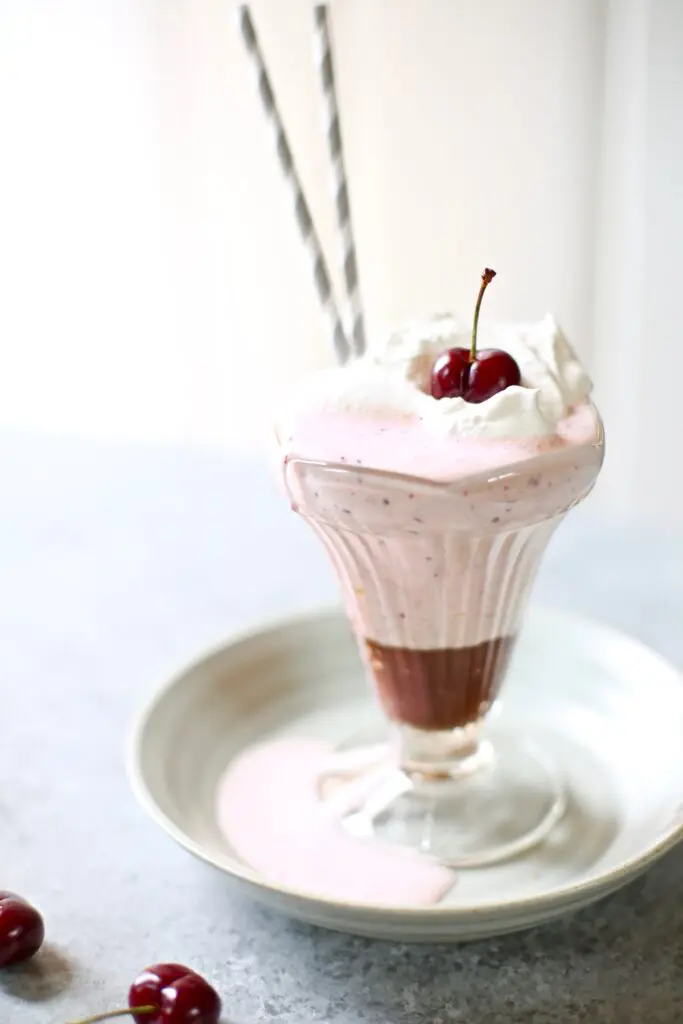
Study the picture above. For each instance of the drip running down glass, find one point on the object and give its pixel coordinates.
(436, 578)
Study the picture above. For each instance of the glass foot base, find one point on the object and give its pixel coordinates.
(500, 800)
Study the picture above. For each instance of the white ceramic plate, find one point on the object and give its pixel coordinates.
(611, 710)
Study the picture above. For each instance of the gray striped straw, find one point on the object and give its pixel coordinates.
(302, 211)
(339, 180)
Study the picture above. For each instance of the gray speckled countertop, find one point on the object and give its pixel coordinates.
(118, 564)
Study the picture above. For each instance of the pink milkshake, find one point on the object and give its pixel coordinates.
(436, 513)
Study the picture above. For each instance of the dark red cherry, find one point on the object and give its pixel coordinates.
(472, 375)
(168, 994)
(189, 1000)
(450, 373)
(492, 371)
(147, 987)
(21, 929)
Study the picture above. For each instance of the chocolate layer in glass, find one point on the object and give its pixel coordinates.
(444, 688)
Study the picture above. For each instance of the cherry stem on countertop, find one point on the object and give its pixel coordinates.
(486, 279)
(142, 1010)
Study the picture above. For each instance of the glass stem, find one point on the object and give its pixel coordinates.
(444, 755)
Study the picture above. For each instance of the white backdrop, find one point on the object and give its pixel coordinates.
(152, 281)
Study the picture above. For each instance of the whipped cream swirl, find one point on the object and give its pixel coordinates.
(392, 381)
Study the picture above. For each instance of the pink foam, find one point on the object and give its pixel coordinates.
(404, 446)
(269, 812)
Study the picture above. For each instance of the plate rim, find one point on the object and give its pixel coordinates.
(585, 891)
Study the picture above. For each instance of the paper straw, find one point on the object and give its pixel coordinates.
(339, 179)
(302, 211)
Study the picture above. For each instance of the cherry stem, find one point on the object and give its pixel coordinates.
(486, 279)
(142, 1010)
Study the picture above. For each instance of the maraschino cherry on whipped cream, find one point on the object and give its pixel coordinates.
(473, 374)
(379, 410)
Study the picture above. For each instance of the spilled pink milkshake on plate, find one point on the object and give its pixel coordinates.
(436, 512)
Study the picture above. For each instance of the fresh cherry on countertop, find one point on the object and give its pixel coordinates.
(180, 996)
(21, 929)
(472, 375)
(168, 994)
(147, 987)
(189, 1000)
